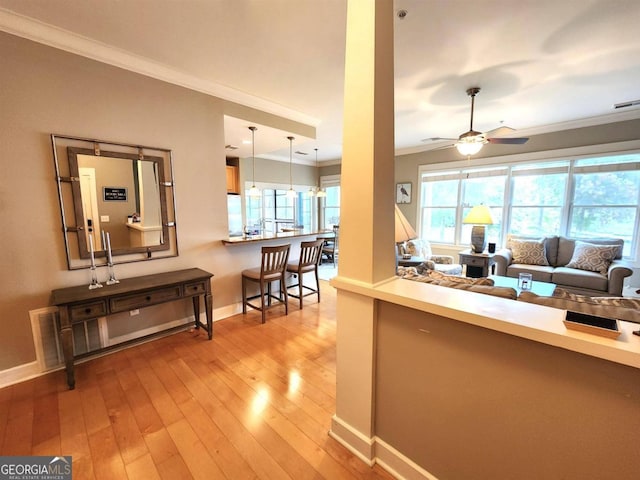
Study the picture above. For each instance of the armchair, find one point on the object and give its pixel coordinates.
(422, 248)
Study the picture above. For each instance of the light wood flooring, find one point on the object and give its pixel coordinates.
(255, 402)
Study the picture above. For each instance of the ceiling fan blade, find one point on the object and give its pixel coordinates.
(437, 139)
(508, 141)
(500, 131)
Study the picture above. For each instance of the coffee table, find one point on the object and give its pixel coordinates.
(542, 289)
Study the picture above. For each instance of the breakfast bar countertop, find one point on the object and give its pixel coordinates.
(243, 239)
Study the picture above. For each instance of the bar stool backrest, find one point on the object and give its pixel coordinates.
(310, 253)
(274, 260)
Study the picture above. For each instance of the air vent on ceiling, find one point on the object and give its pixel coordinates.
(301, 153)
(231, 147)
(626, 104)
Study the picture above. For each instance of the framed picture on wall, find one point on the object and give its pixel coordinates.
(403, 192)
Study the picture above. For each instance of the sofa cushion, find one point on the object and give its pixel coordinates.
(550, 245)
(541, 273)
(573, 277)
(418, 247)
(503, 292)
(591, 257)
(566, 246)
(529, 252)
(609, 307)
(434, 274)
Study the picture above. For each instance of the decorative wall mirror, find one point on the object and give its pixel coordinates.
(124, 190)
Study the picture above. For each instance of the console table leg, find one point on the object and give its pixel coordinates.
(196, 310)
(66, 338)
(208, 306)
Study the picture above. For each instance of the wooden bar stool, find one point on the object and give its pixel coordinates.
(330, 248)
(310, 254)
(272, 268)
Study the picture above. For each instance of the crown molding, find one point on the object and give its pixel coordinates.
(46, 34)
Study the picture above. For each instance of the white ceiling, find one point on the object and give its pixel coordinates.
(543, 65)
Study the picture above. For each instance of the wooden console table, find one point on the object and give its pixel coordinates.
(78, 304)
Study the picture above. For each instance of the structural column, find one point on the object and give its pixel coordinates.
(367, 254)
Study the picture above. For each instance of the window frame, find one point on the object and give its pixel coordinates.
(573, 157)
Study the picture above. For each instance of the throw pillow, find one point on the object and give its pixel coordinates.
(418, 247)
(594, 258)
(455, 279)
(529, 252)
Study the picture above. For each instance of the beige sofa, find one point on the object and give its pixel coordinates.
(590, 267)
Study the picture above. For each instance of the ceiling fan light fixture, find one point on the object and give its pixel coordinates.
(470, 145)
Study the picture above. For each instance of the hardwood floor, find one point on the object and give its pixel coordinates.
(255, 402)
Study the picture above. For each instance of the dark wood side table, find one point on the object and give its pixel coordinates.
(77, 304)
(478, 264)
(410, 262)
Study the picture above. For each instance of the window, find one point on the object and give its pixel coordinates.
(582, 198)
(605, 199)
(274, 210)
(330, 206)
(537, 199)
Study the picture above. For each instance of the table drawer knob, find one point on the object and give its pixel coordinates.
(87, 311)
(148, 298)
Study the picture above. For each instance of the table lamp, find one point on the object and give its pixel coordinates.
(404, 230)
(479, 216)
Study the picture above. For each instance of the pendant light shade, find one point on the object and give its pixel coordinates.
(291, 193)
(253, 191)
(321, 193)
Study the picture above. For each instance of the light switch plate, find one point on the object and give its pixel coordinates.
(104, 218)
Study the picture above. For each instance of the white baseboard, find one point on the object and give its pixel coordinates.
(19, 374)
(375, 450)
(398, 464)
(355, 441)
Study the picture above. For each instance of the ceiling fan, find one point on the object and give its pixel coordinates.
(470, 143)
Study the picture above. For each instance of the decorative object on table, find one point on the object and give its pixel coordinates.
(525, 281)
(403, 230)
(112, 276)
(479, 216)
(403, 193)
(94, 278)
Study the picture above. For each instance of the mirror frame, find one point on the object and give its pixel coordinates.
(71, 209)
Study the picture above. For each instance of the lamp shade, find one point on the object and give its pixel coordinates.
(404, 230)
(479, 215)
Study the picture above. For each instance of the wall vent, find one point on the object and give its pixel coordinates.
(45, 325)
(631, 103)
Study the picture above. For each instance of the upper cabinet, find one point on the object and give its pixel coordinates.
(233, 176)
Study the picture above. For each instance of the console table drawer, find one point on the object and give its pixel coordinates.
(131, 302)
(78, 313)
(197, 288)
(477, 262)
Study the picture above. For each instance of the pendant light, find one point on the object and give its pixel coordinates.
(253, 191)
(321, 193)
(312, 190)
(291, 193)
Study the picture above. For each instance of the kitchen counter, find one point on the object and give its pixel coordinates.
(276, 236)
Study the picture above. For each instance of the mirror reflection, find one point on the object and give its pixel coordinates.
(123, 192)
(122, 197)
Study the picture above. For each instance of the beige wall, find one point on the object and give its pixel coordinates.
(406, 166)
(48, 91)
(465, 402)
